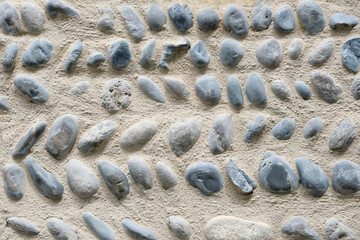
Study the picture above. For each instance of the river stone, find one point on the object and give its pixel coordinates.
(106, 22)
(322, 52)
(312, 177)
(116, 95)
(183, 135)
(31, 89)
(346, 177)
(208, 90)
(136, 136)
(311, 17)
(255, 90)
(9, 19)
(181, 17)
(298, 228)
(208, 19)
(9, 56)
(133, 22)
(275, 175)
(55, 8)
(350, 53)
(284, 129)
(231, 52)
(342, 136)
(295, 48)
(73, 56)
(269, 54)
(343, 21)
(221, 133)
(229, 227)
(22, 226)
(95, 59)
(355, 88)
(60, 230)
(280, 89)
(262, 16)
(80, 88)
(235, 21)
(326, 87)
(150, 89)
(155, 17)
(82, 181)
(234, 92)
(147, 55)
(170, 50)
(38, 53)
(4, 104)
(335, 230)
(284, 19)
(199, 55)
(100, 228)
(140, 172)
(137, 231)
(240, 179)
(177, 88)
(166, 175)
(179, 226)
(33, 17)
(313, 127)
(254, 128)
(119, 54)
(205, 176)
(114, 178)
(303, 89)
(14, 181)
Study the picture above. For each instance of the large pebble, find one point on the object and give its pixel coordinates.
(38, 53)
(234, 92)
(298, 228)
(322, 52)
(150, 89)
(9, 56)
(208, 90)
(269, 54)
(33, 17)
(240, 179)
(208, 19)
(255, 90)
(235, 21)
(9, 19)
(133, 22)
(295, 48)
(140, 172)
(284, 129)
(350, 53)
(183, 135)
(95, 59)
(231, 52)
(262, 16)
(275, 175)
(326, 87)
(137, 231)
(166, 175)
(177, 88)
(147, 55)
(311, 17)
(106, 23)
(155, 17)
(55, 8)
(4, 104)
(342, 136)
(284, 19)
(336, 230)
(313, 127)
(60, 230)
(254, 128)
(346, 177)
(355, 88)
(343, 21)
(199, 55)
(14, 181)
(119, 54)
(170, 50)
(179, 226)
(116, 95)
(138, 135)
(80, 88)
(303, 90)
(31, 89)
(280, 89)
(73, 56)
(221, 133)
(205, 176)
(22, 226)
(181, 17)
(100, 228)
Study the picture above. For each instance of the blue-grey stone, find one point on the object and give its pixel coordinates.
(183, 135)
(235, 21)
(80, 88)
(284, 129)
(150, 89)
(116, 95)
(231, 52)
(284, 19)
(262, 16)
(62, 136)
(240, 179)
(33, 17)
(9, 56)
(313, 127)
(146, 59)
(322, 52)
(14, 181)
(280, 89)
(28, 140)
(205, 176)
(208, 90)
(234, 92)
(303, 89)
(295, 48)
(155, 17)
(73, 56)
(181, 17)
(95, 59)
(342, 136)
(44, 180)
(179, 226)
(355, 88)
(38, 53)
(31, 89)
(4, 104)
(343, 21)
(254, 128)
(311, 17)
(269, 54)
(100, 228)
(137, 231)
(350, 53)
(60, 230)
(114, 178)
(133, 22)
(336, 230)
(199, 55)
(140, 172)
(119, 54)
(22, 226)
(177, 88)
(166, 175)
(170, 50)
(326, 87)
(55, 8)
(106, 23)
(255, 90)
(208, 19)
(221, 133)
(346, 177)
(298, 228)
(275, 175)
(9, 19)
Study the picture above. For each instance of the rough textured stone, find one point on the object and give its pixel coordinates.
(262, 16)
(235, 21)
(350, 54)
(138, 231)
(326, 87)
(4, 104)
(177, 88)
(322, 52)
(133, 22)
(234, 92)
(280, 89)
(231, 52)
(208, 90)
(269, 54)
(311, 17)
(179, 226)
(116, 95)
(255, 90)
(313, 127)
(147, 55)
(14, 181)
(38, 53)
(221, 133)
(240, 179)
(31, 89)
(208, 19)
(355, 88)
(95, 59)
(346, 177)
(166, 175)
(181, 17)
(9, 56)
(284, 129)
(150, 89)
(32, 16)
(335, 230)
(303, 89)
(342, 136)
(60, 230)
(55, 8)
(73, 56)
(183, 136)
(254, 128)
(140, 172)
(100, 228)
(284, 19)
(80, 88)
(22, 226)
(138, 135)
(199, 55)
(343, 21)
(9, 19)
(170, 50)
(106, 23)
(295, 48)
(155, 17)
(119, 54)
(298, 228)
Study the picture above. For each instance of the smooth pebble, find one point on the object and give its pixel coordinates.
(199, 55)
(136, 136)
(147, 55)
(180, 227)
(31, 89)
(22, 226)
(166, 175)
(298, 228)
(106, 23)
(9, 19)
(4, 104)
(322, 52)
(355, 88)
(280, 89)
(38, 53)
(284, 19)
(73, 56)
(95, 59)
(60, 230)
(240, 179)
(313, 127)
(343, 21)
(155, 17)
(336, 230)
(221, 133)
(284, 129)
(295, 48)
(33, 17)
(10, 54)
(140, 172)
(208, 19)
(177, 88)
(100, 228)
(303, 90)
(133, 22)
(350, 54)
(234, 92)
(311, 17)
(55, 8)
(150, 89)
(181, 17)
(255, 90)
(208, 90)
(231, 52)
(326, 87)
(138, 231)
(262, 16)
(269, 54)
(119, 54)
(14, 181)
(346, 177)
(342, 136)
(254, 128)
(235, 21)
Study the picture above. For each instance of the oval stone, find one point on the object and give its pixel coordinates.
(221, 133)
(140, 172)
(4, 104)
(280, 89)
(9, 19)
(240, 179)
(22, 226)
(311, 17)
(235, 21)
(180, 227)
(95, 59)
(33, 17)
(100, 228)
(119, 54)
(146, 58)
(60, 230)
(155, 17)
(234, 92)
(55, 8)
(9, 56)
(183, 136)
(133, 22)
(208, 19)
(199, 55)
(138, 135)
(116, 95)
(295, 48)
(166, 175)
(150, 89)
(73, 56)
(284, 19)
(298, 228)
(346, 177)
(255, 90)
(208, 90)
(350, 53)
(177, 88)
(355, 88)
(181, 17)
(38, 53)
(322, 52)
(254, 128)
(303, 89)
(312, 128)
(342, 136)
(14, 181)
(231, 52)
(137, 231)
(284, 129)
(262, 16)
(326, 87)
(32, 89)
(269, 54)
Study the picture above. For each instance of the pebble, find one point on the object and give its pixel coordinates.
(312, 177)
(4, 104)
(284, 129)
(28, 140)
(221, 133)
(350, 54)
(31, 89)
(205, 176)
(313, 127)
(335, 230)
(106, 23)
(170, 50)
(114, 178)
(262, 16)
(234, 92)
(269, 54)
(177, 88)
(231, 52)
(62, 136)
(73, 56)
(208, 90)
(322, 52)
(208, 19)
(166, 175)
(14, 181)
(311, 17)
(235, 21)
(82, 181)
(298, 228)
(275, 175)
(179, 226)
(38, 53)
(240, 179)
(136, 136)
(229, 227)
(44, 180)
(33, 17)
(355, 88)
(95, 59)
(295, 48)
(9, 19)
(80, 88)
(9, 56)
(147, 55)
(150, 89)
(133, 22)
(199, 55)
(140, 172)
(22, 226)
(284, 19)
(280, 89)
(343, 21)
(346, 177)
(181, 17)
(183, 135)
(100, 228)
(303, 90)
(326, 87)
(116, 95)
(254, 128)
(255, 90)
(138, 231)
(60, 230)
(342, 136)
(155, 17)
(119, 55)
(55, 8)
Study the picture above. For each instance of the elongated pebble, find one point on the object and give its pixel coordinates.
(254, 128)
(150, 89)
(208, 90)
(322, 52)
(9, 56)
(179, 227)
(55, 8)
(311, 17)
(33, 17)
(326, 87)
(269, 54)
(4, 104)
(155, 17)
(136, 136)
(22, 226)
(262, 16)
(166, 175)
(295, 48)
(31, 89)
(14, 181)
(140, 172)
(38, 53)
(119, 54)
(255, 90)
(355, 88)
(106, 23)
(280, 89)
(342, 136)
(133, 22)
(313, 127)
(183, 135)
(95, 59)
(199, 55)
(100, 228)
(240, 179)
(298, 228)
(181, 17)
(234, 92)
(284, 19)
(177, 88)
(208, 19)
(284, 129)
(60, 230)
(138, 231)
(9, 19)
(303, 90)
(73, 56)
(231, 52)
(235, 21)
(221, 133)
(147, 55)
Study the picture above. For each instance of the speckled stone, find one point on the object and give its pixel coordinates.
(179, 227)
(14, 181)
(303, 90)
(231, 52)
(240, 179)
(119, 55)
(342, 136)
(136, 136)
(147, 55)
(181, 17)
(150, 89)
(137, 231)
(254, 128)
(208, 19)
(166, 175)
(31, 89)
(183, 135)
(235, 21)
(280, 89)
(311, 17)
(313, 127)
(262, 16)
(346, 177)
(60, 230)
(140, 172)
(298, 228)
(350, 54)
(177, 88)
(95, 59)
(10, 56)
(221, 133)
(116, 95)
(326, 87)
(208, 90)
(133, 22)
(22, 226)
(295, 48)
(343, 21)
(284, 19)
(9, 19)
(336, 230)
(38, 53)
(322, 52)
(234, 92)
(100, 228)
(33, 17)
(199, 55)
(55, 8)
(284, 129)
(255, 90)
(106, 23)
(73, 56)
(155, 17)
(269, 54)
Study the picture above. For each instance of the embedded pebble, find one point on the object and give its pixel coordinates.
(322, 52)
(342, 136)
(170, 50)
(155, 17)
(298, 228)
(280, 89)
(312, 177)
(14, 181)
(199, 55)
(22, 226)
(55, 8)
(119, 55)
(9, 56)
(275, 175)
(73, 56)
(326, 87)
(311, 17)
(335, 230)
(95, 59)
(9, 19)
(262, 16)
(231, 52)
(254, 128)
(240, 179)
(179, 226)
(38, 53)
(133, 22)
(303, 90)
(177, 88)
(343, 21)
(136, 136)
(138, 231)
(31, 89)
(150, 89)
(355, 88)
(208, 90)
(205, 176)
(62, 136)
(183, 135)
(312, 128)
(80, 88)
(147, 55)
(234, 92)
(208, 19)
(33, 17)
(346, 177)
(284, 19)
(350, 54)
(295, 48)
(106, 23)
(284, 129)
(100, 228)
(269, 54)
(166, 175)
(114, 178)
(255, 90)
(116, 95)
(60, 230)
(235, 21)
(140, 172)
(4, 104)
(82, 181)
(97, 136)
(221, 133)
(181, 17)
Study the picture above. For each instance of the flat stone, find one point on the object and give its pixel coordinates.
(181, 17)
(177, 88)
(350, 54)
(100, 228)
(311, 17)
(140, 172)
(136, 136)
(284, 19)
(106, 23)
(312, 177)
(335, 230)
(322, 52)
(229, 227)
(81, 179)
(22, 226)
(80, 88)
(255, 90)
(269, 54)
(297, 227)
(303, 90)
(234, 92)
(240, 179)
(275, 175)
(208, 90)
(284, 129)
(73, 56)
(9, 19)
(199, 55)
(208, 19)
(60, 230)
(231, 52)
(138, 231)
(166, 175)
(262, 16)
(183, 135)
(221, 133)
(235, 21)
(147, 55)
(9, 56)
(155, 17)
(38, 53)
(343, 21)
(342, 136)
(205, 176)
(280, 89)
(4, 104)
(31, 89)
(150, 89)
(326, 87)
(62, 136)
(346, 177)
(295, 48)
(355, 88)
(313, 127)
(95, 59)
(133, 22)
(14, 181)
(179, 226)
(119, 54)
(55, 8)
(116, 95)
(114, 178)
(254, 128)
(170, 50)
(33, 17)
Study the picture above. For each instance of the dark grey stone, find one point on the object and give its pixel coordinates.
(80, 88)
(255, 90)
(183, 136)
(221, 133)
(181, 17)
(269, 54)
(73, 56)
(280, 89)
(55, 8)
(179, 226)
(100, 228)
(355, 88)
(119, 55)
(4, 104)
(116, 95)
(254, 128)
(14, 181)
(295, 48)
(346, 177)
(284, 19)
(262, 16)
(9, 56)
(155, 17)
(284, 129)
(234, 92)
(31, 89)
(235, 21)
(312, 128)
(231, 52)
(60, 230)
(150, 89)
(208, 90)
(326, 87)
(350, 54)
(199, 55)
(95, 59)
(22, 226)
(177, 88)
(170, 50)
(240, 179)
(9, 19)
(133, 22)
(322, 52)
(106, 23)
(343, 21)
(336, 230)
(38, 53)
(33, 17)
(208, 19)
(137, 231)
(140, 172)
(343, 135)
(147, 55)
(303, 89)
(166, 175)
(311, 17)
(298, 228)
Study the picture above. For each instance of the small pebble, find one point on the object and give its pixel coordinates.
(322, 52)
(208, 90)
(4, 104)
(346, 177)
(38, 53)
(342, 136)
(312, 128)
(355, 88)
(31, 89)
(280, 89)
(326, 87)
(119, 55)
(234, 92)
(343, 21)
(295, 48)
(137, 231)
(150, 89)
(262, 16)
(231, 52)
(116, 95)
(336, 230)
(147, 55)
(298, 228)
(269, 54)
(177, 88)
(14, 181)
(73, 56)
(9, 19)
(235, 21)
(255, 90)
(133, 22)
(208, 19)
(106, 23)
(155, 17)
(199, 55)
(240, 179)
(303, 90)
(183, 135)
(350, 54)
(136, 136)
(254, 128)
(22, 226)
(180, 227)
(311, 17)
(33, 17)
(181, 17)
(140, 172)
(60, 230)
(55, 8)
(170, 50)
(284, 19)
(100, 228)
(9, 56)
(80, 88)
(221, 133)
(95, 59)
(166, 175)
(284, 129)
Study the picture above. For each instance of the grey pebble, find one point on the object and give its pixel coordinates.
(9, 56)
(343, 21)
(170, 50)
(38, 53)
(255, 90)
(231, 52)
(166, 175)
(350, 53)
(22, 226)
(326, 87)
(234, 92)
(342, 136)
(180, 227)
(183, 135)
(295, 48)
(155, 17)
(284, 19)
(9, 19)
(199, 55)
(100, 228)
(73, 56)
(322, 52)
(181, 17)
(116, 95)
(177, 88)
(106, 23)
(284, 129)
(208, 90)
(303, 89)
(147, 55)
(60, 230)
(336, 230)
(119, 54)
(33, 17)
(4, 104)
(240, 179)
(14, 181)
(311, 17)
(235, 21)
(254, 128)
(269, 54)
(355, 88)
(280, 89)
(95, 59)
(298, 228)
(221, 133)
(137, 231)
(150, 89)
(31, 89)
(208, 19)
(55, 8)
(313, 127)
(346, 177)
(140, 172)
(262, 16)
(133, 22)
(80, 88)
